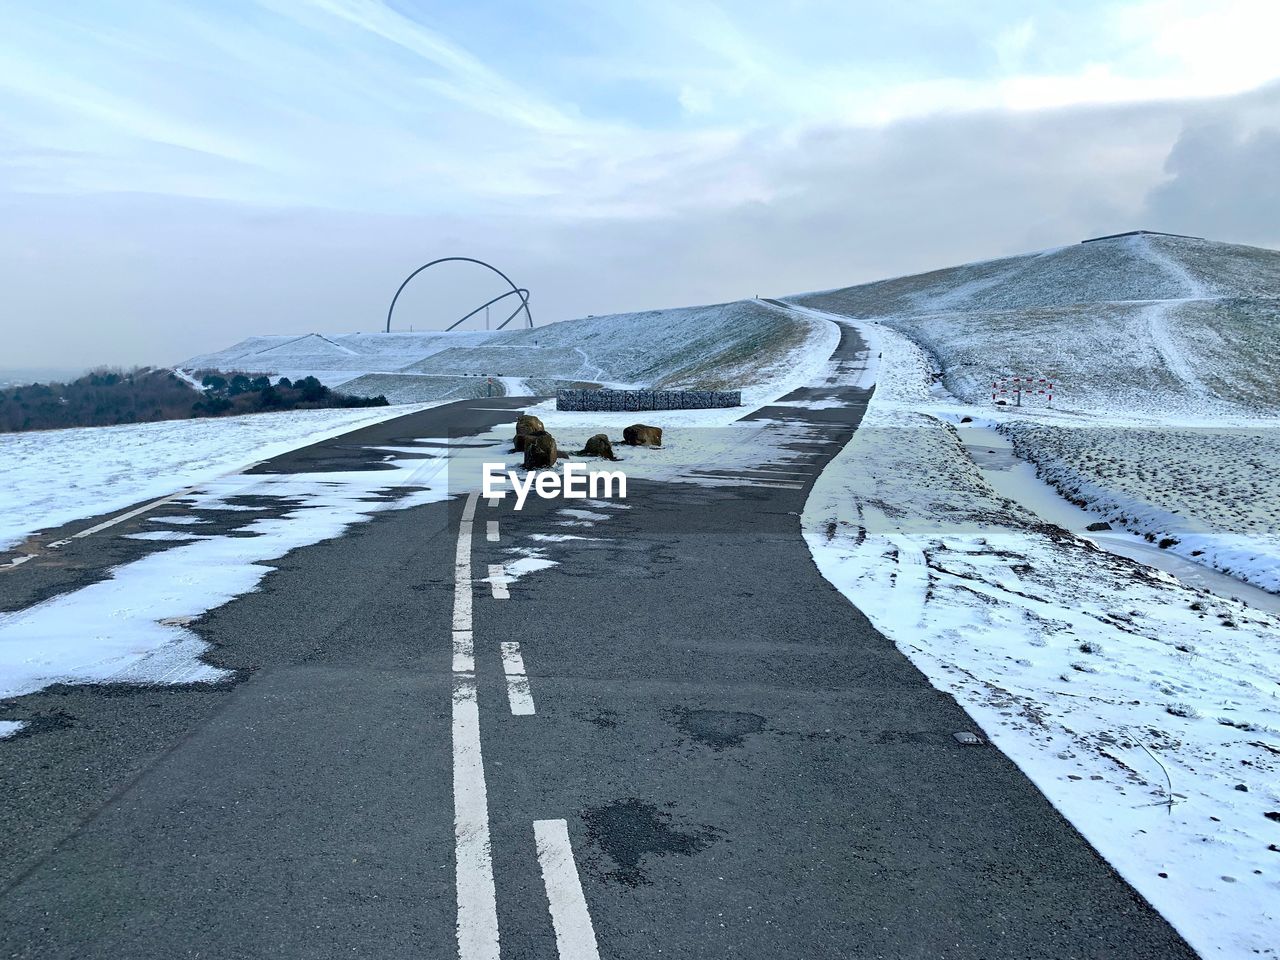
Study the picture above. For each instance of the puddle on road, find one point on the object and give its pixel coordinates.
(630, 831)
(718, 729)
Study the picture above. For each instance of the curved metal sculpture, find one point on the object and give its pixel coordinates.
(520, 292)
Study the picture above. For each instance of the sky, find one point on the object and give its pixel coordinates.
(175, 177)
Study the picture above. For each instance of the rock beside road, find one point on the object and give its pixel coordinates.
(642, 435)
(598, 446)
(539, 450)
(527, 425)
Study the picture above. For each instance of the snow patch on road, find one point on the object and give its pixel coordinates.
(527, 560)
(53, 477)
(162, 535)
(127, 629)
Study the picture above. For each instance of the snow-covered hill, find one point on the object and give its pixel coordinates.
(1144, 323)
(740, 344)
(1143, 266)
(333, 359)
(1165, 360)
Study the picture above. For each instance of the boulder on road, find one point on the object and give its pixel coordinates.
(641, 435)
(539, 451)
(526, 426)
(598, 446)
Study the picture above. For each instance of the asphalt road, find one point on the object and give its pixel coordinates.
(723, 757)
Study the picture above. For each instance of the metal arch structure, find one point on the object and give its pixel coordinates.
(520, 292)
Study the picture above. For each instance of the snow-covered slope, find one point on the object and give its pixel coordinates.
(740, 344)
(333, 359)
(708, 346)
(1165, 361)
(1143, 323)
(1137, 267)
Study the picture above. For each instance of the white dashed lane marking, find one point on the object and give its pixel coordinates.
(494, 501)
(499, 580)
(491, 531)
(519, 695)
(575, 937)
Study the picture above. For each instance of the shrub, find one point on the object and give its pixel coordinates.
(105, 396)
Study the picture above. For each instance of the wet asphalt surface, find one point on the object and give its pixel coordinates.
(746, 766)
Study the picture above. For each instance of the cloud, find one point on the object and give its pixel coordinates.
(1222, 180)
(205, 173)
(120, 278)
(360, 105)
(463, 77)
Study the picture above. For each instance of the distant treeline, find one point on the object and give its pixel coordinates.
(107, 397)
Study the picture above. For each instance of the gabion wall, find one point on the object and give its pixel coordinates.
(646, 399)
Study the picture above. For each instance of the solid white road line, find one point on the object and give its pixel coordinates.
(518, 693)
(133, 513)
(477, 898)
(145, 507)
(575, 937)
(498, 581)
(491, 532)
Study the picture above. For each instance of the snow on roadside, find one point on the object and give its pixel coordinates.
(1148, 713)
(53, 477)
(1206, 492)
